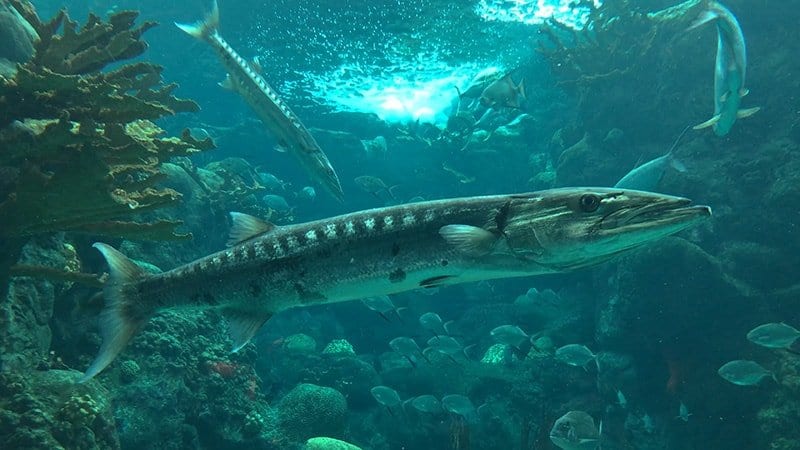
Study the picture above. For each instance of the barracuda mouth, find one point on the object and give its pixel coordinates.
(654, 215)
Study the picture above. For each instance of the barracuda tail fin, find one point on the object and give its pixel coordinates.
(203, 28)
(123, 314)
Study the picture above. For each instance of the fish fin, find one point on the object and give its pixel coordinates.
(704, 18)
(246, 227)
(708, 123)
(227, 83)
(447, 325)
(390, 190)
(743, 113)
(203, 28)
(124, 313)
(398, 314)
(243, 326)
(281, 147)
(521, 90)
(468, 239)
(724, 97)
(743, 93)
(255, 63)
(677, 165)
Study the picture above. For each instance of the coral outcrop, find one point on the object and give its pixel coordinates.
(309, 410)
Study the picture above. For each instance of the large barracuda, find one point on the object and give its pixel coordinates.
(386, 251)
(285, 126)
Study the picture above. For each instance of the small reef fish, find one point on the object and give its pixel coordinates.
(503, 93)
(774, 335)
(647, 176)
(575, 355)
(427, 403)
(285, 126)
(277, 203)
(307, 193)
(460, 405)
(386, 397)
(621, 400)
(386, 251)
(480, 81)
(509, 335)
(576, 430)
(729, 71)
(744, 373)
(408, 348)
(683, 412)
(382, 305)
(374, 186)
(648, 424)
(445, 345)
(433, 323)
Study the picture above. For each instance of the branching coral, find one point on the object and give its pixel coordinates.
(80, 152)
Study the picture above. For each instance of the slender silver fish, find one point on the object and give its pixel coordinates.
(243, 77)
(385, 251)
(729, 71)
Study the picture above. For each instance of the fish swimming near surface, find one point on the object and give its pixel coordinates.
(647, 176)
(576, 430)
(285, 126)
(385, 251)
(729, 70)
(503, 93)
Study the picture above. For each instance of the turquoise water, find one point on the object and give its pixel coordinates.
(577, 95)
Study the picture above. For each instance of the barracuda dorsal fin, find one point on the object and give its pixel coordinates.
(471, 240)
(246, 227)
(243, 325)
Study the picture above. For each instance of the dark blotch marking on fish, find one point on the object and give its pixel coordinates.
(501, 218)
(397, 276)
(203, 298)
(255, 289)
(305, 295)
(379, 224)
(444, 262)
(301, 238)
(395, 249)
(435, 281)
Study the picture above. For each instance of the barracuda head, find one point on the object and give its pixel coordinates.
(566, 229)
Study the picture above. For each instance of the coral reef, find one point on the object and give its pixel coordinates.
(309, 410)
(325, 443)
(49, 410)
(80, 150)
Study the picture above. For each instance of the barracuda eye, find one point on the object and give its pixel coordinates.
(589, 202)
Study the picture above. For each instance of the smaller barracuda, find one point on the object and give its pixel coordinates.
(285, 126)
(385, 251)
(729, 71)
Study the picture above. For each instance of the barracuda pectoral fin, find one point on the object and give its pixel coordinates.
(246, 227)
(708, 123)
(227, 83)
(742, 113)
(243, 325)
(471, 240)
